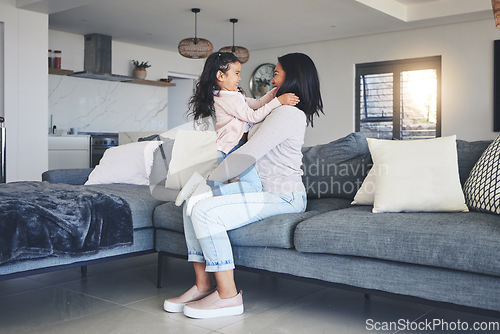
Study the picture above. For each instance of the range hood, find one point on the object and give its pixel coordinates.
(97, 60)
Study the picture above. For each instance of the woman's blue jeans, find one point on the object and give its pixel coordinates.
(206, 229)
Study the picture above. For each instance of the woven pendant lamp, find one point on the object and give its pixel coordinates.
(239, 51)
(495, 4)
(195, 48)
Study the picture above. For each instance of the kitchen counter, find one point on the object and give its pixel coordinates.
(69, 151)
(67, 135)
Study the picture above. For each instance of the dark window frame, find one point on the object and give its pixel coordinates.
(396, 67)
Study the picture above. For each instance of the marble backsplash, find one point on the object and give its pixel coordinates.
(104, 106)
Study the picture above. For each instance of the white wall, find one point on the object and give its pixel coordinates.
(179, 100)
(467, 75)
(1, 70)
(25, 91)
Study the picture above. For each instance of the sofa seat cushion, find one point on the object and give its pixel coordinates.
(167, 216)
(463, 241)
(276, 231)
(139, 198)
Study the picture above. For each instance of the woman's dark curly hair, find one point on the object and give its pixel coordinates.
(201, 104)
(301, 78)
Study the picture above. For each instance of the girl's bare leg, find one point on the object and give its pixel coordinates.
(204, 280)
(225, 281)
(225, 284)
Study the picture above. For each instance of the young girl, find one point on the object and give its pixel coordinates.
(217, 95)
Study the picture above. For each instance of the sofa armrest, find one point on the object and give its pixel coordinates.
(159, 192)
(77, 176)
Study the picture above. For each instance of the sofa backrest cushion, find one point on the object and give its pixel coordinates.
(336, 169)
(74, 176)
(468, 154)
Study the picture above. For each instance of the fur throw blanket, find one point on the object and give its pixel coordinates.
(40, 219)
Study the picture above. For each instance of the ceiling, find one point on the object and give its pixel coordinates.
(262, 23)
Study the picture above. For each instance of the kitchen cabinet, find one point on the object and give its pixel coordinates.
(71, 151)
(58, 71)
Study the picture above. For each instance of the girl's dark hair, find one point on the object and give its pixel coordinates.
(301, 78)
(201, 104)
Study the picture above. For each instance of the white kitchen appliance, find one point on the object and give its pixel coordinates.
(2, 151)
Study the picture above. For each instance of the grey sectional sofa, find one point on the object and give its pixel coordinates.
(449, 258)
(444, 257)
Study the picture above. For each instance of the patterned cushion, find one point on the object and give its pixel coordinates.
(482, 188)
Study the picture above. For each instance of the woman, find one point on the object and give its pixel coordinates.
(275, 147)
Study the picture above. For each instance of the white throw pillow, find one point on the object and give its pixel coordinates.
(416, 175)
(193, 151)
(129, 163)
(366, 193)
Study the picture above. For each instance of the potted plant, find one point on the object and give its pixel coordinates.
(139, 71)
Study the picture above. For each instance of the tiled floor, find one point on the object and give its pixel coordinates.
(121, 297)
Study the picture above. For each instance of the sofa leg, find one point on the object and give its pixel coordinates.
(83, 270)
(159, 269)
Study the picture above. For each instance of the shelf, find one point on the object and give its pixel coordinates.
(151, 83)
(58, 71)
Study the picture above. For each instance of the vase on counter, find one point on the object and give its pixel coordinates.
(139, 73)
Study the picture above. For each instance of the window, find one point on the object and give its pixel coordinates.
(399, 99)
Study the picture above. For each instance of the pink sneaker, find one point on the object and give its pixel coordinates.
(176, 304)
(213, 306)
